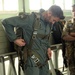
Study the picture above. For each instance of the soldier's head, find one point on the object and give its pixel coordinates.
(54, 14)
(73, 10)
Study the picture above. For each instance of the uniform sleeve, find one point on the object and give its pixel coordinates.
(65, 30)
(9, 25)
(12, 22)
(48, 44)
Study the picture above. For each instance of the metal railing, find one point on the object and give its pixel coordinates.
(10, 57)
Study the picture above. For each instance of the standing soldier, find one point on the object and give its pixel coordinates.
(36, 63)
(69, 36)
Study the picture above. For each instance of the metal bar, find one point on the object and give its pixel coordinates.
(2, 66)
(52, 67)
(24, 6)
(12, 66)
(55, 58)
(7, 54)
(68, 72)
(55, 48)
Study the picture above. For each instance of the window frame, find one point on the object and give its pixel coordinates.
(53, 2)
(3, 11)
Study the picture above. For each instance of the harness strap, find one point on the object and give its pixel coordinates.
(35, 28)
(36, 58)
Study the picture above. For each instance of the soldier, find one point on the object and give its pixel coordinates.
(36, 63)
(69, 36)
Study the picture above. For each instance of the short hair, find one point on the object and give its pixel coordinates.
(42, 10)
(57, 11)
(73, 5)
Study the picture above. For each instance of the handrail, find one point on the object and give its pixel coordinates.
(56, 46)
(7, 54)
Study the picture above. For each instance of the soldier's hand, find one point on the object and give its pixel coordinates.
(49, 53)
(72, 34)
(20, 42)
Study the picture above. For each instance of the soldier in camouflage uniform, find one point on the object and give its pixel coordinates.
(40, 46)
(69, 36)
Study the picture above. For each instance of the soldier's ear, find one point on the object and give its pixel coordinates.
(49, 13)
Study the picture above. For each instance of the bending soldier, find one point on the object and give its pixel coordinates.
(37, 61)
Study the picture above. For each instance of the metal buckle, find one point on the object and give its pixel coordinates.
(35, 59)
(34, 34)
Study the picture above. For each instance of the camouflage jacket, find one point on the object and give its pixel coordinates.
(68, 28)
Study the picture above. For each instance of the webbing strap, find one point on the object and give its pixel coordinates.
(36, 26)
(32, 54)
(36, 58)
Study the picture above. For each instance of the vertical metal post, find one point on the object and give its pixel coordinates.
(24, 6)
(52, 67)
(2, 65)
(55, 57)
(12, 67)
(68, 72)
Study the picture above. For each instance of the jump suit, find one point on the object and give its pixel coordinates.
(39, 46)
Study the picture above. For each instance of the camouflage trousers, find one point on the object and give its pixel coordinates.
(70, 54)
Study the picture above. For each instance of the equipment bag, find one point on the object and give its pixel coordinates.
(4, 42)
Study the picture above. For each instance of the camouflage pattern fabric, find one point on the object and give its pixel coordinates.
(70, 47)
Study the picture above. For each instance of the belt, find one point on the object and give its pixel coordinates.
(35, 57)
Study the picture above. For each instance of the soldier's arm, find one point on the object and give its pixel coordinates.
(66, 35)
(72, 34)
(68, 38)
(10, 23)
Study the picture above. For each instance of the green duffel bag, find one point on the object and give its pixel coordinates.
(5, 45)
